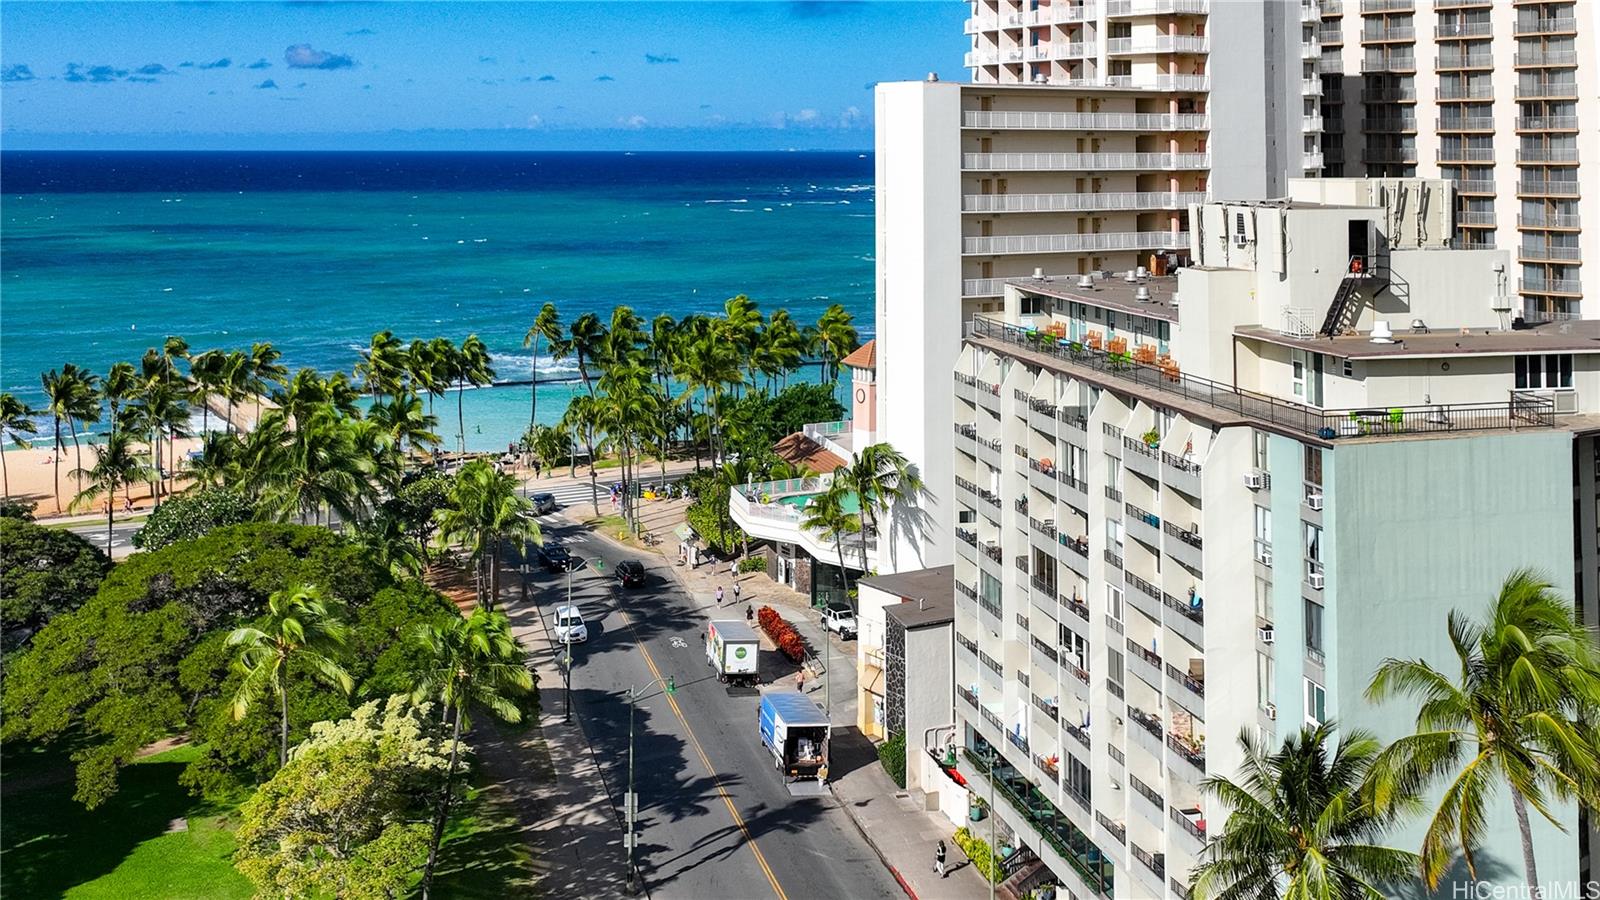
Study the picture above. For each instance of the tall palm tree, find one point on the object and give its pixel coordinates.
(586, 342)
(1522, 712)
(828, 515)
(264, 371)
(404, 419)
(69, 395)
(741, 325)
(218, 460)
(234, 382)
(154, 407)
(298, 626)
(16, 419)
(383, 365)
(628, 405)
(319, 469)
(708, 364)
(546, 327)
(115, 466)
(485, 510)
(471, 367)
(784, 345)
(550, 445)
(120, 385)
(470, 663)
(205, 376)
(835, 339)
(585, 417)
(173, 349)
(1301, 823)
(881, 476)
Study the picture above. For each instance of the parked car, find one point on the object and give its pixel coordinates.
(840, 620)
(631, 573)
(544, 503)
(555, 558)
(569, 626)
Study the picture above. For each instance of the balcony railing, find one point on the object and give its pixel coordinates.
(1155, 862)
(1548, 188)
(1548, 220)
(1552, 25)
(1147, 721)
(1547, 123)
(1046, 162)
(1190, 752)
(1081, 735)
(1321, 423)
(1465, 123)
(1036, 810)
(1187, 536)
(1075, 243)
(1545, 58)
(1187, 824)
(1547, 154)
(1147, 792)
(1077, 606)
(1188, 610)
(1195, 685)
(1549, 285)
(1119, 200)
(1115, 829)
(1548, 90)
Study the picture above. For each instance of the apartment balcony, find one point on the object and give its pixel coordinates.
(1397, 64)
(979, 58)
(1389, 155)
(1142, 595)
(1549, 253)
(1195, 83)
(1561, 221)
(1144, 527)
(1044, 656)
(1332, 8)
(1456, 61)
(1167, 43)
(1061, 14)
(1389, 125)
(1191, 830)
(1311, 122)
(1149, 802)
(1477, 187)
(1076, 558)
(1309, 12)
(1389, 94)
(989, 398)
(976, 25)
(1457, 30)
(1311, 87)
(1383, 6)
(1145, 663)
(1475, 218)
(1333, 124)
(1464, 123)
(1076, 678)
(999, 245)
(1531, 187)
(1464, 92)
(967, 546)
(1311, 49)
(1183, 545)
(1145, 732)
(1548, 155)
(1311, 160)
(1571, 287)
(1462, 4)
(1556, 25)
(1545, 58)
(1459, 155)
(1181, 473)
(1122, 8)
(1547, 123)
(966, 388)
(1084, 162)
(1188, 688)
(1405, 33)
(1186, 759)
(1329, 35)
(1141, 457)
(1548, 90)
(982, 287)
(1066, 203)
(1022, 120)
(1076, 425)
(1186, 617)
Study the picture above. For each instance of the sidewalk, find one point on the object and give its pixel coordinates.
(905, 835)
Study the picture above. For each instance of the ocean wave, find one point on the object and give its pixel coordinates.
(522, 365)
(852, 188)
(740, 200)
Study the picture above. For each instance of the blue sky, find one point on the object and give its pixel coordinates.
(650, 75)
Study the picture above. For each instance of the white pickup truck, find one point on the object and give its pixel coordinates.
(840, 620)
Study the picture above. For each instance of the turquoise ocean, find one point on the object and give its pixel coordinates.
(104, 254)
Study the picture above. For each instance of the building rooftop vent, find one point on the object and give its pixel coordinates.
(933, 76)
(1381, 333)
(1142, 294)
(1142, 273)
(1038, 272)
(1086, 282)
(1130, 276)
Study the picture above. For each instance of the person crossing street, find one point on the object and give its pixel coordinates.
(938, 860)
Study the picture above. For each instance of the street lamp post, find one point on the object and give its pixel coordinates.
(994, 852)
(630, 801)
(567, 668)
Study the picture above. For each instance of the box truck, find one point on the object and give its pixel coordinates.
(795, 730)
(732, 649)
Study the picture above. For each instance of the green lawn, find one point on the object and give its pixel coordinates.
(51, 846)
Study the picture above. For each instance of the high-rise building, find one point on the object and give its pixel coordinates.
(1189, 507)
(1501, 97)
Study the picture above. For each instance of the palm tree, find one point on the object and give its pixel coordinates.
(707, 364)
(70, 395)
(298, 626)
(120, 385)
(741, 325)
(264, 371)
(628, 406)
(318, 467)
(1301, 823)
(154, 407)
(115, 466)
(550, 445)
(16, 419)
(471, 366)
(784, 346)
(585, 417)
(403, 418)
(383, 365)
(235, 381)
(205, 374)
(173, 349)
(484, 511)
(827, 515)
(217, 462)
(470, 663)
(547, 327)
(835, 339)
(586, 343)
(881, 476)
(1522, 713)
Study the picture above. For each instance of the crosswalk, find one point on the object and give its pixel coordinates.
(569, 493)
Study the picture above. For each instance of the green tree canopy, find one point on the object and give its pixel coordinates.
(192, 514)
(43, 572)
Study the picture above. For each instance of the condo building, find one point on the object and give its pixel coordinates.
(1499, 96)
(1189, 506)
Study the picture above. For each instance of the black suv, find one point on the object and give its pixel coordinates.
(631, 573)
(555, 558)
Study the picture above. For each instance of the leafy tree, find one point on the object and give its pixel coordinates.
(16, 420)
(415, 507)
(192, 514)
(1522, 714)
(486, 510)
(298, 625)
(44, 572)
(341, 818)
(551, 445)
(800, 404)
(880, 476)
(1302, 823)
(708, 513)
(21, 510)
(472, 663)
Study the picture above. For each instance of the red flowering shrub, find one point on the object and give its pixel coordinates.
(784, 635)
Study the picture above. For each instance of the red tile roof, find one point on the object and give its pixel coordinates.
(802, 452)
(864, 357)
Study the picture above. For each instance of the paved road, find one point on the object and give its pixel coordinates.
(715, 820)
(121, 536)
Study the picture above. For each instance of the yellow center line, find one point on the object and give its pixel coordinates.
(717, 779)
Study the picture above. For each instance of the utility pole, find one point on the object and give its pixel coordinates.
(994, 852)
(567, 669)
(630, 800)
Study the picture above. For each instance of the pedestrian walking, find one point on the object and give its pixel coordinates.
(719, 595)
(737, 590)
(536, 469)
(733, 570)
(938, 860)
(749, 613)
(800, 680)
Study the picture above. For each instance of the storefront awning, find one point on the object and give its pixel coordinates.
(872, 679)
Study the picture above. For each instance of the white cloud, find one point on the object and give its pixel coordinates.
(850, 117)
(634, 121)
(806, 115)
(534, 121)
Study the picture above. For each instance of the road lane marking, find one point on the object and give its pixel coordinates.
(705, 761)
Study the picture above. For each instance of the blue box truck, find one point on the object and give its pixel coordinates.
(795, 731)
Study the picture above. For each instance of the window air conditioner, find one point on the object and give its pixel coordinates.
(1314, 502)
(1271, 710)
(1315, 578)
(1265, 634)
(1252, 479)
(1266, 558)
(1241, 240)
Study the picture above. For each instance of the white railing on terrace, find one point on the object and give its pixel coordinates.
(1547, 123)
(1311, 159)
(1076, 121)
(981, 58)
(998, 203)
(983, 287)
(1547, 220)
(1167, 43)
(1158, 83)
(997, 162)
(1299, 322)
(1156, 7)
(1062, 14)
(1545, 58)
(1069, 243)
(765, 492)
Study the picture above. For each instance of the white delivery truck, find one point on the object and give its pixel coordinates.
(732, 649)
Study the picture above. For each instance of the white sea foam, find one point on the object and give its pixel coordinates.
(740, 200)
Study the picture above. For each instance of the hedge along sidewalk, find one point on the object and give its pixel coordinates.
(904, 835)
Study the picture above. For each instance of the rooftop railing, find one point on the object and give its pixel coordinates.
(1325, 424)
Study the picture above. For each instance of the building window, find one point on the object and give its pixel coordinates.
(1316, 703)
(1314, 465)
(1349, 368)
(1313, 542)
(1113, 471)
(989, 587)
(1307, 376)
(1114, 602)
(1552, 370)
(1263, 525)
(1114, 666)
(1034, 306)
(1313, 618)
(1264, 676)
(1260, 440)
(1263, 599)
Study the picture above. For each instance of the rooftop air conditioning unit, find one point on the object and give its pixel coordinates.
(1130, 276)
(1252, 479)
(1142, 272)
(1271, 709)
(1314, 502)
(1265, 634)
(1086, 282)
(1142, 294)
(1315, 580)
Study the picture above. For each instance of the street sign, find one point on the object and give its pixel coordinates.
(630, 804)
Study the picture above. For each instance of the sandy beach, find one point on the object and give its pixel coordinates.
(31, 475)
